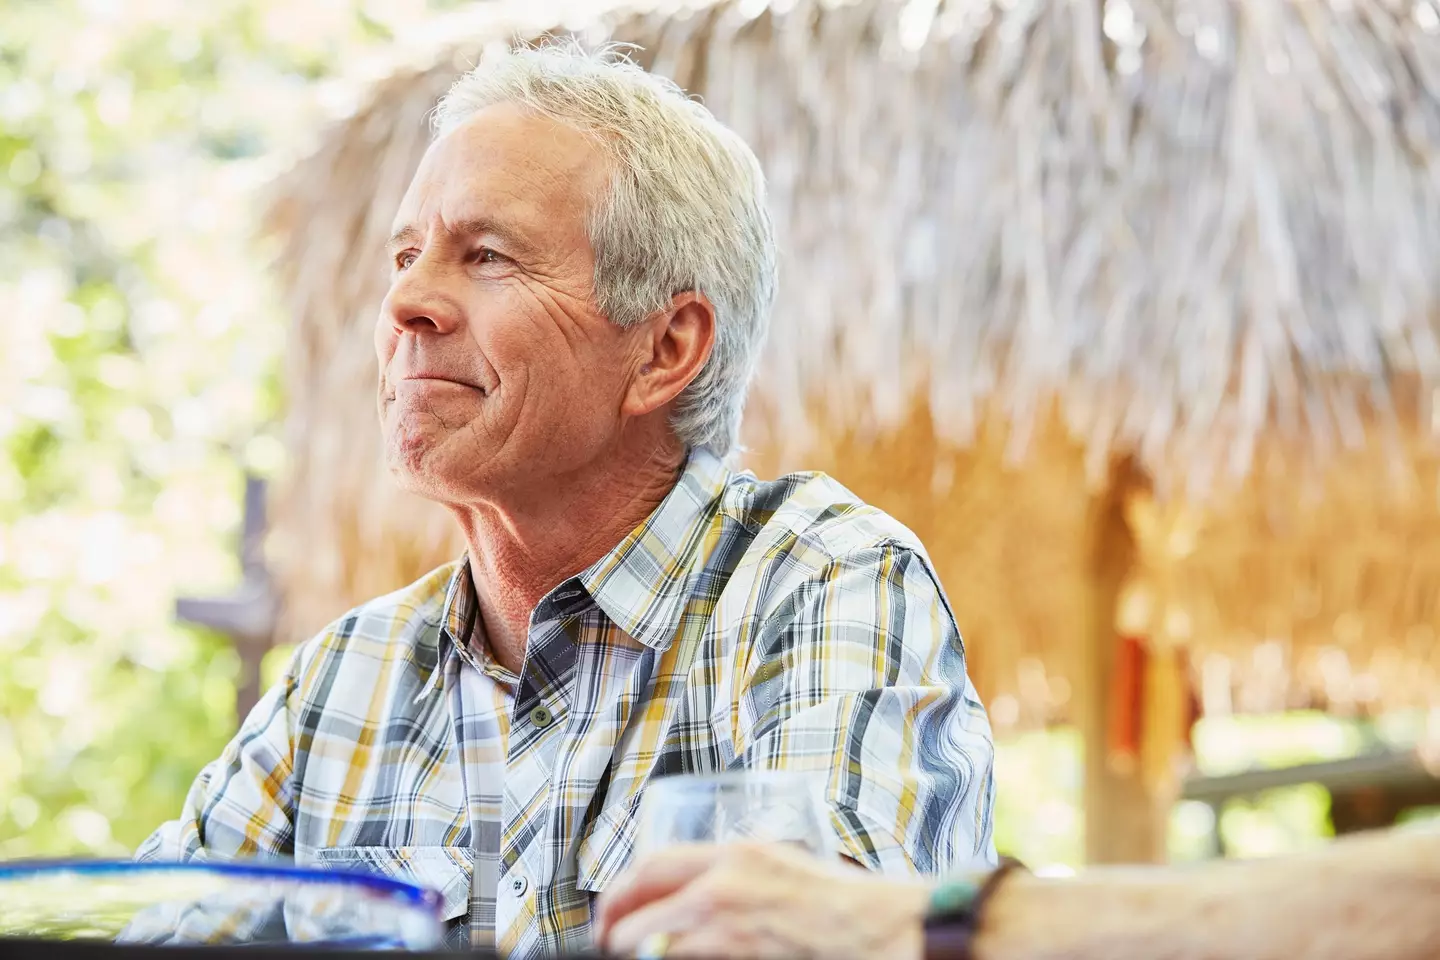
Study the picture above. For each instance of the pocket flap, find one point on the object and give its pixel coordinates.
(607, 846)
(446, 870)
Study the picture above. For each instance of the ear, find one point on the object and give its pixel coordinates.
(676, 343)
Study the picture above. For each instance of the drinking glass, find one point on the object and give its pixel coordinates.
(214, 903)
(745, 805)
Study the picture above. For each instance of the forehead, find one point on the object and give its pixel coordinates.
(506, 162)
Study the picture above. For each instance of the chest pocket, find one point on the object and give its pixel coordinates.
(607, 846)
(445, 870)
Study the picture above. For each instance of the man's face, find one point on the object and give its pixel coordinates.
(496, 371)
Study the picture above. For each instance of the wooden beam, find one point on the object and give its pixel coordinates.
(1388, 769)
(248, 615)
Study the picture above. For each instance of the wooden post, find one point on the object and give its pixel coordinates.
(1124, 822)
(247, 616)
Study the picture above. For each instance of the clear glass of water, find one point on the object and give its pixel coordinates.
(746, 805)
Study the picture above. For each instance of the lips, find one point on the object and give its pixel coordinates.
(440, 379)
(434, 381)
(432, 389)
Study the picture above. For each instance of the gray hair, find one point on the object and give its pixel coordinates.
(685, 210)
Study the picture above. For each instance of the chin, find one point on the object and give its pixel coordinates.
(426, 468)
(423, 481)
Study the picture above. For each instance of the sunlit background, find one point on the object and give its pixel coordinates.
(141, 362)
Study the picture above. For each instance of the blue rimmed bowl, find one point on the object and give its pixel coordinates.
(214, 904)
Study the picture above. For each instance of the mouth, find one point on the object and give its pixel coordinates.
(424, 383)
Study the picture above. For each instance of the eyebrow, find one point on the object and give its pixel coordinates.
(474, 227)
(402, 238)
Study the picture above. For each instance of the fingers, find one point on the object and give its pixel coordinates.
(708, 944)
(675, 914)
(655, 876)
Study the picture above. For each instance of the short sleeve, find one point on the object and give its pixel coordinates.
(861, 675)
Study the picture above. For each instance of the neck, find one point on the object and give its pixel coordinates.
(523, 546)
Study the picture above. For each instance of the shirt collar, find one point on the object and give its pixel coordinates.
(462, 634)
(642, 584)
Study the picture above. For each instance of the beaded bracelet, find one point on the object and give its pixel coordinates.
(953, 919)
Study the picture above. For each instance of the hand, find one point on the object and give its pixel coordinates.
(755, 902)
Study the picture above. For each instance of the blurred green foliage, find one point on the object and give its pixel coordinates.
(1039, 817)
(1039, 785)
(138, 377)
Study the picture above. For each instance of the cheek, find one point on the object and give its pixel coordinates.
(559, 375)
(531, 359)
(582, 399)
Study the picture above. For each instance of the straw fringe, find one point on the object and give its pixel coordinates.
(1207, 233)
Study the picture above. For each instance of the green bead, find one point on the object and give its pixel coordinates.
(952, 897)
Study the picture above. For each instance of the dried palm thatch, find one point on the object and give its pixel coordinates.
(1019, 239)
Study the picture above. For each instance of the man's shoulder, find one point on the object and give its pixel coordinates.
(403, 625)
(807, 528)
(811, 520)
(826, 575)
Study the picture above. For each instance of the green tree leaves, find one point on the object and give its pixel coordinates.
(139, 351)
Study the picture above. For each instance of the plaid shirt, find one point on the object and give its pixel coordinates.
(744, 624)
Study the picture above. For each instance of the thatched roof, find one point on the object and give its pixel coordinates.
(1018, 239)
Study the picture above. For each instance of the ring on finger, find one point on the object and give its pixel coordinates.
(653, 947)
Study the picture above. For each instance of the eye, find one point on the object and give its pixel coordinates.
(405, 258)
(486, 255)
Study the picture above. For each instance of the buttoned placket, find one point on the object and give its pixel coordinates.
(537, 720)
(479, 699)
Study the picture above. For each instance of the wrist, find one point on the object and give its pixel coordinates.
(958, 911)
(906, 904)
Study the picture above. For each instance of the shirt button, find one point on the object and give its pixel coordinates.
(541, 717)
(518, 885)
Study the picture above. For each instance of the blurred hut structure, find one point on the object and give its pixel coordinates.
(1128, 308)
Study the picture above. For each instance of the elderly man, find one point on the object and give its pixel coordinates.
(581, 276)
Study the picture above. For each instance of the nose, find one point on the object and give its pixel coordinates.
(418, 302)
